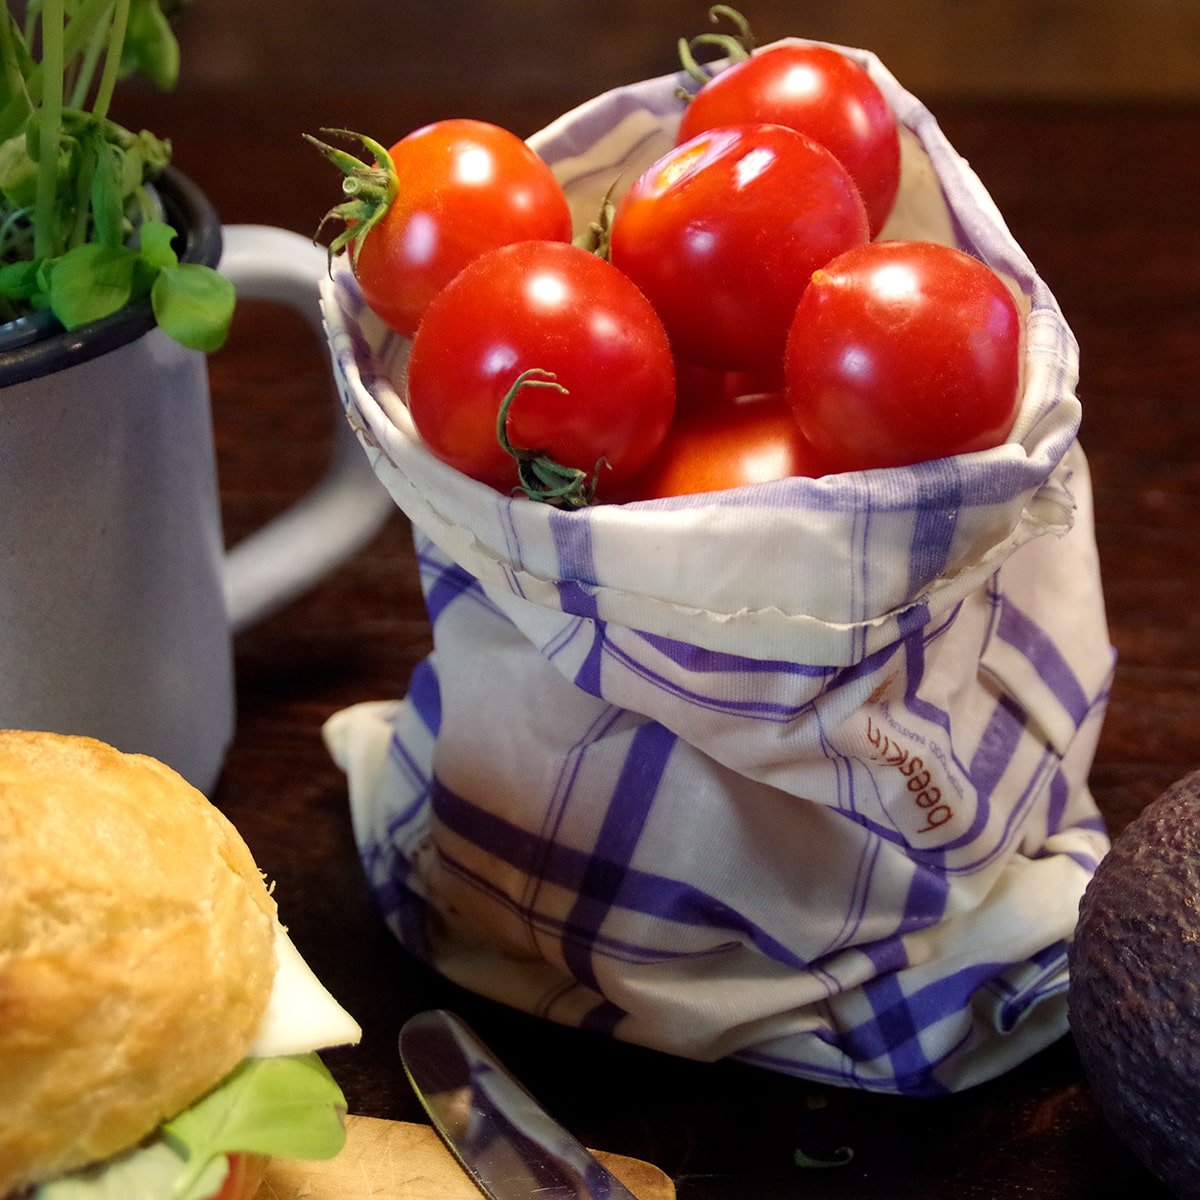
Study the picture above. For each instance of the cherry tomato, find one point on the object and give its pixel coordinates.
(728, 445)
(554, 308)
(820, 92)
(463, 187)
(902, 352)
(723, 232)
(698, 387)
(241, 1175)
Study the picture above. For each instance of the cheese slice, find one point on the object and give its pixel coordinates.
(301, 1014)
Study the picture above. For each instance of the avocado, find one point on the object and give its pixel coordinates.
(1133, 997)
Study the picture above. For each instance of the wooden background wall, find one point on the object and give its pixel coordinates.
(1089, 49)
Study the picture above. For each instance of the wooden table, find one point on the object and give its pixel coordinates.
(1104, 201)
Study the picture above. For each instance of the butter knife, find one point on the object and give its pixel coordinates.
(508, 1144)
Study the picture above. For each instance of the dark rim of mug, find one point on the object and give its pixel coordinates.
(38, 345)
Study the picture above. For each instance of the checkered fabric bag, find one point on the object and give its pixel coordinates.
(794, 774)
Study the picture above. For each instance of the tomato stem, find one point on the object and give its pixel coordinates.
(738, 46)
(597, 237)
(541, 477)
(369, 189)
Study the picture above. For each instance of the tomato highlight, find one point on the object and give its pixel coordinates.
(901, 352)
(817, 91)
(729, 445)
(443, 195)
(583, 327)
(723, 232)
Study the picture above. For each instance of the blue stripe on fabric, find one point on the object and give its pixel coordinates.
(925, 904)
(863, 873)
(449, 582)
(417, 782)
(562, 638)
(993, 754)
(571, 533)
(576, 600)
(604, 1018)
(425, 695)
(624, 819)
(407, 915)
(893, 1031)
(900, 1018)
(701, 661)
(934, 527)
(860, 542)
(564, 866)
(761, 710)
(560, 796)
(1051, 961)
(1018, 630)
(915, 619)
(1060, 795)
(589, 674)
(576, 576)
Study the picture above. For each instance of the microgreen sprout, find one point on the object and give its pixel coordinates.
(81, 232)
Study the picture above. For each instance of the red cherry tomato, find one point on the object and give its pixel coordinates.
(727, 446)
(698, 387)
(463, 187)
(723, 232)
(555, 308)
(235, 1183)
(902, 352)
(821, 93)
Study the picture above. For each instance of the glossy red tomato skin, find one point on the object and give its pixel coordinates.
(820, 92)
(902, 352)
(237, 1179)
(699, 387)
(464, 186)
(728, 445)
(556, 308)
(723, 232)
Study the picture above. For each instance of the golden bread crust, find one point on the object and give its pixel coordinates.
(136, 950)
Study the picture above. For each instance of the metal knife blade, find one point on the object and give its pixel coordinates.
(508, 1144)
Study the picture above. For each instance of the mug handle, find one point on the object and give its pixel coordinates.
(345, 509)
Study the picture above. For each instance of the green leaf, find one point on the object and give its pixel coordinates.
(150, 45)
(194, 305)
(18, 171)
(107, 199)
(21, 280)
(287, 1107)
(91, 281)
(16, 62)
(148, 1173)
(284, 1107)
(155, 241)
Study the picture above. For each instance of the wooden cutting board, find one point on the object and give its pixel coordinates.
(396, 1160)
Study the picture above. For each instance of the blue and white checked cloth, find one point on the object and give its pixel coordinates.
(795, 774)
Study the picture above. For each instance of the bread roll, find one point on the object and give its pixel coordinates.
(136, 950)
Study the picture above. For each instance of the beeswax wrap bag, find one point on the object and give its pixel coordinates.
(795, 773)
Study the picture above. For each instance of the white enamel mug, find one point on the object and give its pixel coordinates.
(118, 601)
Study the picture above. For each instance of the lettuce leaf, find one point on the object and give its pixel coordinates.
(148, 1172)
(286, 1107)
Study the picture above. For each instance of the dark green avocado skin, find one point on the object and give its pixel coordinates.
(1134, 994)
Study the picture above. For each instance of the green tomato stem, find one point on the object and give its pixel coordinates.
(369, 190)
(737, 46)
(541, 477)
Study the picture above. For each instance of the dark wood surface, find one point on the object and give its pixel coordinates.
(1103, 197)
